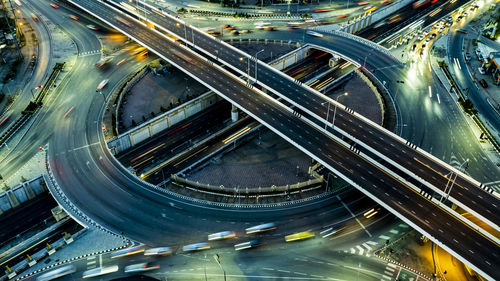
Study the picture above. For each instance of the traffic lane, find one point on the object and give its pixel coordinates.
(416, 162)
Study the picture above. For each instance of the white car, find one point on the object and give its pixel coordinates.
(102, 84)
(140, 267)
(196, 247)
(221, 235)
(314, 33)
(482, 70)
(158, 251)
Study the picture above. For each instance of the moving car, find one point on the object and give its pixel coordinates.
(299, 236)
(93, 27)
(100, 271)
(420, 37)
(127, 252)
(196, 247)
(54, 6)
(331, 231)
(160, 251)
(246, 245)
(314, 33)
(221, 235)
(73, 17)
(56, 273)
(102, 84)
(145, 266)
(261, 228)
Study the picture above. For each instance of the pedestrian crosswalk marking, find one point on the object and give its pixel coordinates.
(384, 237)
(361, 250)
(394, 231)
(89, 53)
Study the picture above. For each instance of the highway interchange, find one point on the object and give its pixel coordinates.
(85, 143)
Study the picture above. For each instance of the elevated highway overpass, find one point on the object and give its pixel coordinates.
(437, 175)
(357, 169)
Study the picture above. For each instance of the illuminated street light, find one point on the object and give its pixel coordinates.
(256, 60)
(335, 110)
(466, 163)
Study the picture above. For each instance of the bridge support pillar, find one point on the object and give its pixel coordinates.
(234, 113)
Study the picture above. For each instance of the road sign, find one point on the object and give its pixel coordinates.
(405, 275)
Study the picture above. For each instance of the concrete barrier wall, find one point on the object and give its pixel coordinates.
(21, 193)
(164, 121)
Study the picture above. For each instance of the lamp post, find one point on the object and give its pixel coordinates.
(248, 67)
(397, 88)
(217, 259)
(256, 60)
(466, 162)
(327, 111)
(335, 110)
(32, 93)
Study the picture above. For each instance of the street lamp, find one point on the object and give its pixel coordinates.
(466, 163)
(248, 67)
(36, 88)
(335, 110)
(397, 88)
(217, 259)
(32, 94)
(256, 60)
(103, 97)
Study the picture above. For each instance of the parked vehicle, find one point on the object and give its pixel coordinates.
(483, 83)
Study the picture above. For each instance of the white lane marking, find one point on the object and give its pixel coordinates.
(361, 250)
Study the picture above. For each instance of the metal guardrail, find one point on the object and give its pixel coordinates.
(248, 191)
